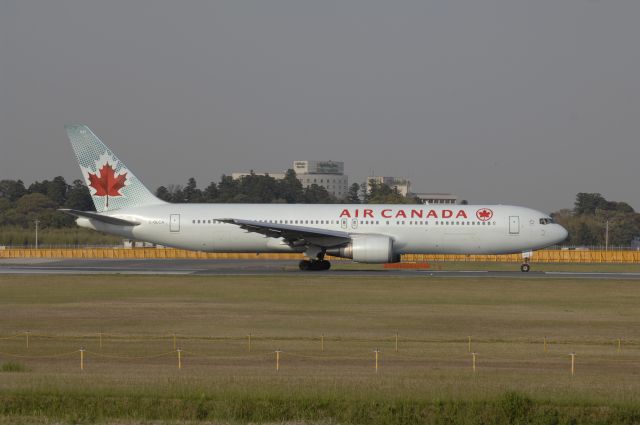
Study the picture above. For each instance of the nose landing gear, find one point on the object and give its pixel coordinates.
(525, 267)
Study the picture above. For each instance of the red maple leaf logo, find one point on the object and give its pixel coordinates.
(107, 183)
(484, 214)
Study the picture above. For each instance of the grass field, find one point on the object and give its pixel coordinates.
(131, 376)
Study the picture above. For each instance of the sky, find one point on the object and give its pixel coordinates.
(524, 102)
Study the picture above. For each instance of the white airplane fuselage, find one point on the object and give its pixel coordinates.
(420, 229)
(364, 233)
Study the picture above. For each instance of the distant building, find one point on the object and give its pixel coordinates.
(328, 174)
(402, 185)
(437, 198)
(319, 167)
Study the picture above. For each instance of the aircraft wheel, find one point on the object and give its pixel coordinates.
(304, 265)
(326, 265)
(525, 268)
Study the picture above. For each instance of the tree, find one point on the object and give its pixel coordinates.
(380, 193)
(163, 193)
(588, 203)
(353, 197)
(12, 189)
(211, 193)
(315, 194)
(191, 193)
(291, 188)
(227, 188)
(258, 188)
(79, 198)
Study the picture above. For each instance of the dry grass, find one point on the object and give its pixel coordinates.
(211, 317)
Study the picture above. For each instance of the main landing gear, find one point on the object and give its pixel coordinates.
(314, 265)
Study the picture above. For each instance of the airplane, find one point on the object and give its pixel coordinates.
(361, 232)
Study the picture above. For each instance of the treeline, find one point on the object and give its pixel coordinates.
(255, 188)
(587, 222)
(21, 206)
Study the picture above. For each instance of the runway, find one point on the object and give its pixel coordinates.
(261, 268)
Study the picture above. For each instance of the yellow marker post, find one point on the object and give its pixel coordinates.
(179, 350)
(469, 345)
(249, 336)
(322, 343)
(278, 360)
(377, 352)
(619, 345)
(573, 363)
(473, 362)
(81, 358)
(396, 342)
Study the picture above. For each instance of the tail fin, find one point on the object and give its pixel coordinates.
(110, 182)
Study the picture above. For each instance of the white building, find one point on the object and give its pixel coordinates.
(437, 198)
(402, 185)
(328, 174)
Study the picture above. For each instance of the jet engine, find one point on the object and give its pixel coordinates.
(367, 249)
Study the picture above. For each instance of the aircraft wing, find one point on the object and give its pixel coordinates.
(293, 235)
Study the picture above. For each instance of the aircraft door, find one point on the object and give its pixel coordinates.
(354, 223)
(514, 225)
(343, 223)
(174, 223)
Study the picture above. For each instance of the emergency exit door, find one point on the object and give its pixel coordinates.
(514, 225)
(174, 223)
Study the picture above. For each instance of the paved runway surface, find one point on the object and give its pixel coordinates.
(255, 268)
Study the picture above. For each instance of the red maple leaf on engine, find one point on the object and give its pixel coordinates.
(108, 183)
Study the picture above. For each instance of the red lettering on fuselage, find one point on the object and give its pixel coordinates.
(401, 213)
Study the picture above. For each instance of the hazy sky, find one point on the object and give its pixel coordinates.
(516, 101)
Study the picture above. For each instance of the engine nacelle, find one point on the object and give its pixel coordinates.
(367, 249)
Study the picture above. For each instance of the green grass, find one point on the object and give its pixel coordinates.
(13, 367)
(429, 380)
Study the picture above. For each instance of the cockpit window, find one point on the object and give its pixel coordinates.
(546, 221)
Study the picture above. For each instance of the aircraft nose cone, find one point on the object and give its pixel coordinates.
(562, 233)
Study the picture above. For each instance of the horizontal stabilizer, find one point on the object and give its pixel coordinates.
(99, 217)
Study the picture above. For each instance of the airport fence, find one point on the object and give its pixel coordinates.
(103, 352)
(542, 256)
